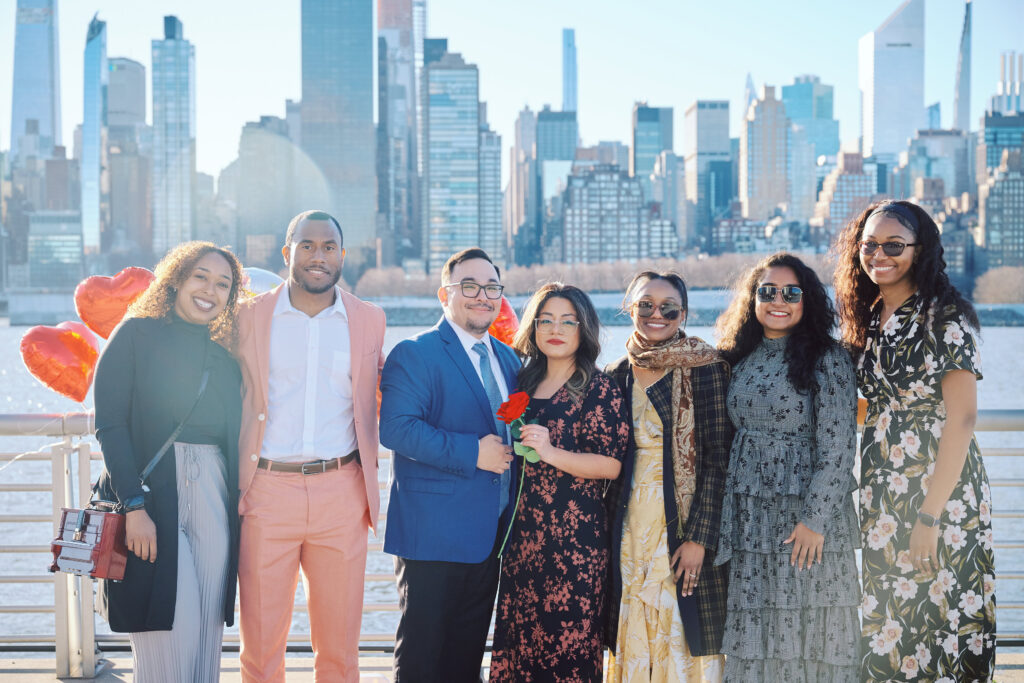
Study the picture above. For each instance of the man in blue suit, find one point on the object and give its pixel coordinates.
(451, 478)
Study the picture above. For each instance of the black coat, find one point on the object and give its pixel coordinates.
(703, 613)
(146, 381)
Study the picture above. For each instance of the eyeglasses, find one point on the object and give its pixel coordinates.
(791, 294)
(549, 325)
(470, 290)
(868, 247)
(669, 310)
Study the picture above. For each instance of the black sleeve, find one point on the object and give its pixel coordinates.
(113, 393)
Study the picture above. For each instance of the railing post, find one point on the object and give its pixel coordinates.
(87, 617)
(75, 587)
(60, 579)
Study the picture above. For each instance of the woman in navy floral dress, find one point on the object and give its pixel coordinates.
(925, 503)
(554, 570)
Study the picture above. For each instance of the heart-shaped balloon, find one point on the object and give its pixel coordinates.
(101, 301)
(60, 357)
(506, 325)
(83, 331)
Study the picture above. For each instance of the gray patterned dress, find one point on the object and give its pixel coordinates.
(791, 461)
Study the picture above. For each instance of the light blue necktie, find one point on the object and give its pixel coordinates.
(494, 397)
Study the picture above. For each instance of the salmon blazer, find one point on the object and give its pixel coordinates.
(366, 324)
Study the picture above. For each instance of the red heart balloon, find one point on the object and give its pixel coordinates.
(506, 325)
(101, 301)
(63, 359)
(83, 331)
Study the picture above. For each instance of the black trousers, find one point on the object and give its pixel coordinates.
(446, 613)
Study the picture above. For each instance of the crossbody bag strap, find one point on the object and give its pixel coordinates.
(181, 425)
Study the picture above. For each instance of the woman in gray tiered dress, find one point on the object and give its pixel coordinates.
(789, 528)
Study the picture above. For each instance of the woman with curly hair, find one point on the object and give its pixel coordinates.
(668, 598)
(554, 574)
(925, 503)
(168, 384)
(789, 528)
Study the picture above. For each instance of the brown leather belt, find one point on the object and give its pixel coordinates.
(312, 467)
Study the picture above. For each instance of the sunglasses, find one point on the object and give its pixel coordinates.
(869, 247)
(669, 310)
(791, 294)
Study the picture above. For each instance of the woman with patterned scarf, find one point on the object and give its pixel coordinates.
(667, 603)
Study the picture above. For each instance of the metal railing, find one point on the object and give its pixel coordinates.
(75, 641)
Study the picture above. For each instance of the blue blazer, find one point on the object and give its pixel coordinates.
(433, 413)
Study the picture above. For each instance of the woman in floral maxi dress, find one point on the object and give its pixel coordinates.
(554, 571)
(926, 507)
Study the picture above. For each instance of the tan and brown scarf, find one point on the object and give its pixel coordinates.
(680, 354)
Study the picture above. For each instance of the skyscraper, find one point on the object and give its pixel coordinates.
(809, 104)
(126, 92)
(94, 139)
(419, 34)
(451, 134)
(521, 211)
(705, 141)
(337, 111)
(492, 239)
(962, 93)
(763, 156)
(397, 130)
(652, 134)
(999, 132)
(128, 156)
(1009, 97)
(934, 116)
(568, 69)
(1001, 212)
(602, 215)
(174, 138)
(890, 74)
(36, 93)
(749, 93)
(847, 189)
(801, 174)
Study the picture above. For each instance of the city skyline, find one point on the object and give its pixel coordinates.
(514, 72)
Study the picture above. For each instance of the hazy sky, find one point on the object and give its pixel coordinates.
(668, 52)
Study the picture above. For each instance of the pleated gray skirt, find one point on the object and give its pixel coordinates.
(191, 650)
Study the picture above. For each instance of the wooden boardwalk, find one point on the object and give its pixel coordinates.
(374, 669)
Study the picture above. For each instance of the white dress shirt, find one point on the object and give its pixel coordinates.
(468, 342)
(309, 412)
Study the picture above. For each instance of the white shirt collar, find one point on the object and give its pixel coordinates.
(284, 305)
(469, 341)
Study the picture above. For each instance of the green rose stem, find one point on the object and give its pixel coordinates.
(529, 455)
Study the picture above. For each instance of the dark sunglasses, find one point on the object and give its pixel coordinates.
(669, 310)
(868, 247)
(791, 294)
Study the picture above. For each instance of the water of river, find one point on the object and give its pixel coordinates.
(1002, 359)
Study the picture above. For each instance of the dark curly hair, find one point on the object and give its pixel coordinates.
(172, 271)
(856, 294)
(740, 332)
(535, 363)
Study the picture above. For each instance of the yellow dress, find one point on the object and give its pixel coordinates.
(650, 644)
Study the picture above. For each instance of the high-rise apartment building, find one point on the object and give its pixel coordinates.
(652, 134)
(521, 211)
(706, 147)
(337, 111)
(809, 103)
(398, 178)
(1001, 212)
(602, 216)
(763, 156)
(569, 91)
(1009, 97)
(492, 237)
(174, 138)
(801, 174)
(890, 74)
(668, 186)
(36, 92)
(451, 135)
(847, 190)
(962, 90)
(266, 195)
(95, 181)
(941, 154)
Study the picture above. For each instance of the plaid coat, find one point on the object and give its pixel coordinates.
(703, 613)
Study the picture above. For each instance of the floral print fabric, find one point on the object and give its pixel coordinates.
(921, 626)
(651, 646)
(550, 612)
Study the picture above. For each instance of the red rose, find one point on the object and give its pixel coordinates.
(514, 407)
